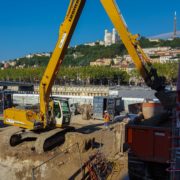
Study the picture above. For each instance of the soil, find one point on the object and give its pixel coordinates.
(63, 162)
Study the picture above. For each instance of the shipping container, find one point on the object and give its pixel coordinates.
(113, 105)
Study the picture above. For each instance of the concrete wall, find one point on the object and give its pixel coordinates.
(78, 90)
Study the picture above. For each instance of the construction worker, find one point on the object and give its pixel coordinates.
(106, 119)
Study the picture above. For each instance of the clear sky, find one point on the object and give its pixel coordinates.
(30, 26)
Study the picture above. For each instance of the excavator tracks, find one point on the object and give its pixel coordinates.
(6, 135)
(50, 139)
(42, 141)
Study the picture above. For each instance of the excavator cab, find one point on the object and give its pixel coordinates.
(61, 112)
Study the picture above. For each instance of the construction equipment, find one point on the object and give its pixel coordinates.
(149, 143)
(48, 118)
(140, 59)
(43, 125)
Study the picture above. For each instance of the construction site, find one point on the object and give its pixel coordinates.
(52, 132)
(73, 156)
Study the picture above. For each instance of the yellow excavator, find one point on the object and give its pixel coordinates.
(45, 123)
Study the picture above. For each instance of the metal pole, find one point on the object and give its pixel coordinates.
(33, 176)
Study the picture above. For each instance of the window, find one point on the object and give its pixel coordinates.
(65, 107)
(57, 112)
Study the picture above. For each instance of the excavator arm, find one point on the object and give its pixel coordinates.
(44, 118)
(140, 59)
(65, 33)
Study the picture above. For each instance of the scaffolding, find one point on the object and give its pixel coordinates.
(175, 150)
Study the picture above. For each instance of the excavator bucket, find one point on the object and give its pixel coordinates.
(167, 99)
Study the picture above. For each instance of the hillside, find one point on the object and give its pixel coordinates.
(78, 56)
(82, 55)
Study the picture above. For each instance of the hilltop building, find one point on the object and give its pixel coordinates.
(110, 37)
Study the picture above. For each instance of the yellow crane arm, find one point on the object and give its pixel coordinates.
(65, 33)
(140, 59)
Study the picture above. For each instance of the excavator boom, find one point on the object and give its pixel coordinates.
(140, 59)
(65, 33)
(45, 117)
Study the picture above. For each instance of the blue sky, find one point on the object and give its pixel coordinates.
(32, 26)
